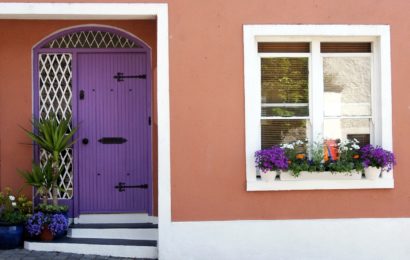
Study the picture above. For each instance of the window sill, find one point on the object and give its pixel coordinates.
(278, 185)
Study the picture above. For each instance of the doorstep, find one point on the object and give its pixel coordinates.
(94, 246)
(136, 240)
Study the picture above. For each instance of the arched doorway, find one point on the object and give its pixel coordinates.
(101, 77)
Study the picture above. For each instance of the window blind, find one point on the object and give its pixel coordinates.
(345, 47)
(284, 47)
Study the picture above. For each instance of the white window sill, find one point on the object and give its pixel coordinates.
(278, 185)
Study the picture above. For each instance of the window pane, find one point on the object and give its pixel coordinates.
(275, 132)
(347, 82)
(285, 111)
(346, 128)
(284, 80)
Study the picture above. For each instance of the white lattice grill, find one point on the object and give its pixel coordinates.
(91, 39)
(55, 90)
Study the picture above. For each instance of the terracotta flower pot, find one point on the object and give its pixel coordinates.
(46, 234)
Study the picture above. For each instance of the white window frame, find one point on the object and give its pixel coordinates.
(379, 35)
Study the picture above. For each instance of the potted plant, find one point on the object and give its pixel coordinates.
(347, 160)
(41, 178)
(328, 160)
(54, 136)
(376, 160)
(54, 211)
(271, 162)
(13, 213)
(46, 226)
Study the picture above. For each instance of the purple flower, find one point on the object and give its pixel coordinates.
(58, 223)
(375, 156)
(271, 159)
(36, 223)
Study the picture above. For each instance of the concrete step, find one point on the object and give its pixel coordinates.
(115, 218)
(93, 246)
(132, 231)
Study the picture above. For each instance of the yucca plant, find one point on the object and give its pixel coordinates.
(41, 178)
(54, 137)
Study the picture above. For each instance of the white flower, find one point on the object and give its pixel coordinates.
(14, 204)
(299, 142)
(356, 141)
(287, 146)
(344, 148)
(355, 146)
(12, 198)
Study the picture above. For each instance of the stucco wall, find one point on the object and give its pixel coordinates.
(207, 109)
(17, 41)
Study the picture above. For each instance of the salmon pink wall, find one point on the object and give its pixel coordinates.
(207, 109)
(17, 40)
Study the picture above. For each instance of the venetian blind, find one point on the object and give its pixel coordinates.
(284, 99)
(345, 47)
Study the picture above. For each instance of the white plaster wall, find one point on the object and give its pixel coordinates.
(288, 239)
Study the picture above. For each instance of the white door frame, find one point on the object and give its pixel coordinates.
(122, 11)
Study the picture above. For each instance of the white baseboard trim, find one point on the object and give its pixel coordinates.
(103, 250)
(287, 239)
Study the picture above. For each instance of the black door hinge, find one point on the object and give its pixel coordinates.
(82, 94)
(149, 120)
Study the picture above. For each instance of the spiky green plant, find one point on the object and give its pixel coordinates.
(41, 178)
(54, 137)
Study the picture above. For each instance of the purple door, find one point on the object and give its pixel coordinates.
(114, 133)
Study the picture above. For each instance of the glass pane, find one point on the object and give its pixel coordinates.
(275, 132)
(346, 128)
(284, 80)
(347, 82)
(285, 111)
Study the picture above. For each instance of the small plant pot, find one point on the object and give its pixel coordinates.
(46, 234)
(268, 176)
(372, 173)
(11, 236)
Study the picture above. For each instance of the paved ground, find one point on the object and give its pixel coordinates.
(23, 254)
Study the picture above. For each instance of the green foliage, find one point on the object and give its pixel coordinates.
(51, 209)
(41, 178)
(282, 112)
(298, 165)
(288, 77)
(347, 160)
(13, 211)
(52, 135)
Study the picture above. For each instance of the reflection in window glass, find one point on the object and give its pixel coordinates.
(343, 128)
(347, 83)
(285, 94)
(275, 132)
(284, 80)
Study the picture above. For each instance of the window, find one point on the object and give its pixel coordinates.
(316, 81)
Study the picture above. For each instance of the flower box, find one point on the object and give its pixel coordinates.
(304, 175)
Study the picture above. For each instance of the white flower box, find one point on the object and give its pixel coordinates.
(288, 176)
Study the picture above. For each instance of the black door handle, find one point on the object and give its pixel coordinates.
(85, 140)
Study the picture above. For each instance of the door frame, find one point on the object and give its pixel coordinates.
(145, 48)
